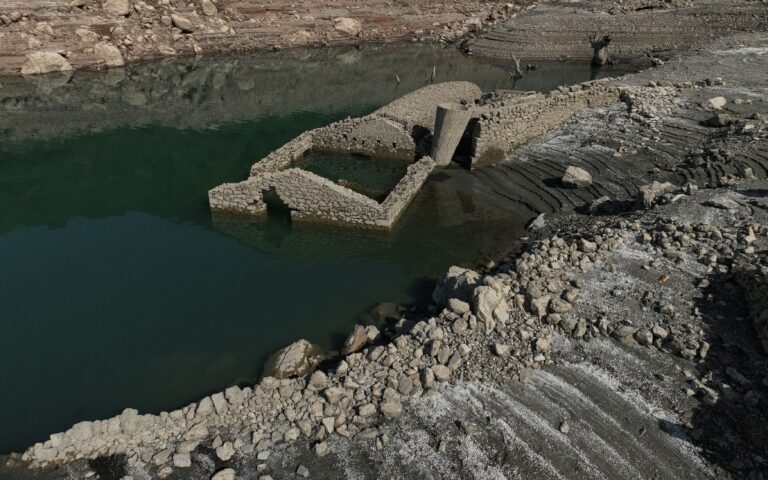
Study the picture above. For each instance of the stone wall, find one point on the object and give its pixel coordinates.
(418, 109)
(507, 121)
(372, 136)
(312, 198)
(386, 133)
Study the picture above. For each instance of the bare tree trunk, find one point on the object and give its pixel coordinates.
(518, 71)
(600, 45)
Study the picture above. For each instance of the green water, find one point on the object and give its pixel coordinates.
(373, 177)
(117, 287)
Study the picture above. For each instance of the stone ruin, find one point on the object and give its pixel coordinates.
(392, 132)
(456, 118)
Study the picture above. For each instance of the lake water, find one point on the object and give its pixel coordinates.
(117, 287)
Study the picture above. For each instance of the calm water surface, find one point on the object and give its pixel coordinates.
(118, 289)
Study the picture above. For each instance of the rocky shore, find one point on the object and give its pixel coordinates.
(43, 36)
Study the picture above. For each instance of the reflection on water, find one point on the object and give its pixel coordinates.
(118, 289)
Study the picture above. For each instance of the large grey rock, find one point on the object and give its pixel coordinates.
(292, 361)
(182, 23)
(118, 8)
(490, 305)
(347, 25)
(355, 341)
(648, 194)
(182, 460)
(226, 474)
(457, 283)
(391, 409)
(576, 177)
(129, 421)
(225, 452)
(717, 103)
(109, 53)
(719, 120)
(722, 201)
(82, 431)
(234, 395)
(209, 8)
(45, 62)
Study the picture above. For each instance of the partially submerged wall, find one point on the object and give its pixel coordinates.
(312, 198)
(417, 110)
(507, 121)
(372, 136)
(386, 133)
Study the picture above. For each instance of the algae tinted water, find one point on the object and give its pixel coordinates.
(117, 287)
(372, 177)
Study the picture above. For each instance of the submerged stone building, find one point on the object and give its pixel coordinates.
(491, 126)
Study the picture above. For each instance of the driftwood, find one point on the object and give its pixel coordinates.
(599, 46)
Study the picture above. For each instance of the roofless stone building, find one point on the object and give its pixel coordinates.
(481, 128)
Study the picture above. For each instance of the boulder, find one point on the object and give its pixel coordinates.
(45, 62)
(348, 26)
(182, 23)
(456, 283)
(318, 379)
(129, 421)
(355, 341)
(86, 35)
(490, 305)
(182, 460)
(226, 474)
(82, 431)
(225, 452)
(576, 177)
(234, 395)
(391, 409)
(719, 120)
(209, 8)
(109, 53)
(717, 103)
(501, 350)
(457, 306)
(118, 8)
(722, 201)
(292, 361)
(648, 194)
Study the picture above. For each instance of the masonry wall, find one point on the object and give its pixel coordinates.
(312, 198)
(507, 122)
(372, 136)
